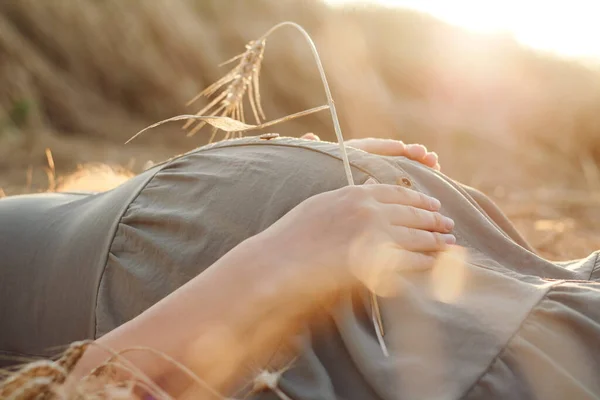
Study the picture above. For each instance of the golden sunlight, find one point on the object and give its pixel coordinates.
(567, 28)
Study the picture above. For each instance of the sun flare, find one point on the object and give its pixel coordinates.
(567, 28)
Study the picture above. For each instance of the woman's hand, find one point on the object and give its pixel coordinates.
(390, 147)
(356, 233)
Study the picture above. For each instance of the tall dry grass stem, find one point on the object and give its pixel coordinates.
(50, 170)
(229, 103)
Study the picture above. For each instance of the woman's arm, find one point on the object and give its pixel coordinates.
(266, 286)
(212, 323)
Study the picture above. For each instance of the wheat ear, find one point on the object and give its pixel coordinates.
(48, 370)
(241, 79)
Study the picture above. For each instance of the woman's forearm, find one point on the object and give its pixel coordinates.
(212, 324)
(241, 307)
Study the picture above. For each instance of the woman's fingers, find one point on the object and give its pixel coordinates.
(310, 136)
(431, 160)
(411, 261)
(393, 194)
(390, 147)
(413, 217)
(381, 278)
(412, 239)
(382, 147)
(418, 152)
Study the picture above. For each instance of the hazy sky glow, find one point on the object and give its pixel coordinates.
(569, 28)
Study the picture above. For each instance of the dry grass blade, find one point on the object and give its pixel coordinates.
(227, 124)
(117, 360)
(50, 171)
(108, 383)
(224, 123)
(50, 159)
(378, 323)
(292, 116)
(242, 79)
(179, 366)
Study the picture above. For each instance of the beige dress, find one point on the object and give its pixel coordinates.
(514, 325)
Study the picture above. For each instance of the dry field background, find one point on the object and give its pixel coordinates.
(82, 76)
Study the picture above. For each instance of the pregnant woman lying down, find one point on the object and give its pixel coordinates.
(252, 255)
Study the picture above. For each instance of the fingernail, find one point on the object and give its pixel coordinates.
(448, 223)
(434, 203)
(448, 238)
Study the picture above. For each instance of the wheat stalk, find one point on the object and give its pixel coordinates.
(244, 77)
(375, 310)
